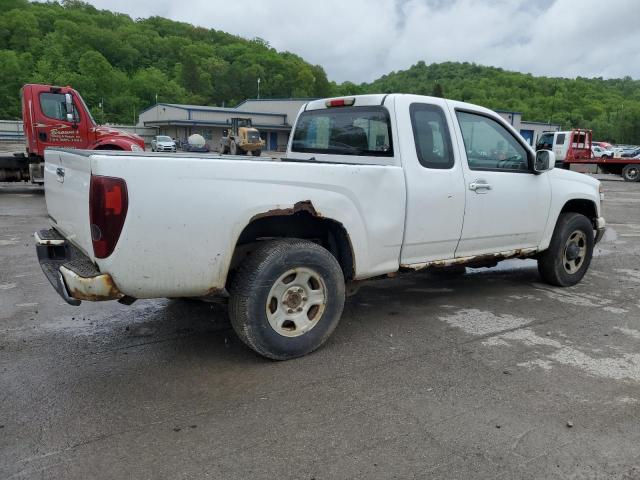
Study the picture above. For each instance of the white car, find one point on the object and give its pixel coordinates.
(163, 143)
(372, 185)
(599, 152)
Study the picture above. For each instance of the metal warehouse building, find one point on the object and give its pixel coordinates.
(273, 118)
(530, 131)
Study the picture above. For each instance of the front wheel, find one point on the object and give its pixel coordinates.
(256, 153)
(567, 259)
(631, 173)
(287, 298)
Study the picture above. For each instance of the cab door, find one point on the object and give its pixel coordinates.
(507, 204)
(51, 125)
(434, 179)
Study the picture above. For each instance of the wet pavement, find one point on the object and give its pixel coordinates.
(489, 375)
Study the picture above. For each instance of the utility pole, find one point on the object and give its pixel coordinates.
(258, 88)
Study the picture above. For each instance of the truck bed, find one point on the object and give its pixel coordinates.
(190, 209)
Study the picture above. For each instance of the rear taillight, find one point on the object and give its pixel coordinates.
(108, 204)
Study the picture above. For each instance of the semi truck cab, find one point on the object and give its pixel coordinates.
(58, 117)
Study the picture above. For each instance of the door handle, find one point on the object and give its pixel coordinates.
(480, 186)
(60, 174)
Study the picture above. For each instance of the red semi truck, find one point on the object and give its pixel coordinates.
(58, 117)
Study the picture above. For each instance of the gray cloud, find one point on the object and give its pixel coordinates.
(359, 40)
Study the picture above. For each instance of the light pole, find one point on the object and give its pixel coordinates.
(258, 88)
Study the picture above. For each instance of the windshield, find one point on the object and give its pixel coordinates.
(545, 140)
(344, 131)
(163, 138)
(84, 106)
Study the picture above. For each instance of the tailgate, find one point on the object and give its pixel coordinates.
(67, 175)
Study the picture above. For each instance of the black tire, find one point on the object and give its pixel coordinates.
(252, 297)
(631, 173)
(256, 153)
(556, 265)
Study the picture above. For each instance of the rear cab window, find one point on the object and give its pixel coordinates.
(431, 136)
(360, 131)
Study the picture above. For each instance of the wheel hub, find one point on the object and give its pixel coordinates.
(575, 252)
(296, 302)
(294, 298)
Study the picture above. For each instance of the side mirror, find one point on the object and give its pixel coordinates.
(68, 102)
(545, 161)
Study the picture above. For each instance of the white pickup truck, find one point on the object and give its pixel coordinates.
(371, 185)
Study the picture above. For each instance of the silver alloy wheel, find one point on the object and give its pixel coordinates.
(296, 302)
(575, 251)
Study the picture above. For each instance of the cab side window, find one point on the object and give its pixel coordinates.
(53, 106)
(490, 146)
(431, 136)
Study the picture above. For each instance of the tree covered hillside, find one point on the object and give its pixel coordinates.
(126, 62)
(610, 107)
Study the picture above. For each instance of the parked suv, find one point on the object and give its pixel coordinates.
(163, 143)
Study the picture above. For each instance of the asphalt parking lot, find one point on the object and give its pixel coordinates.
(489, 375)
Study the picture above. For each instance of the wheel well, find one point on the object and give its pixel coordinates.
(108, 146)
(301, 224)
(584, 207)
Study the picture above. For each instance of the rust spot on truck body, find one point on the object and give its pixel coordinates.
(302, 206)
(94, 289)
(474, 260)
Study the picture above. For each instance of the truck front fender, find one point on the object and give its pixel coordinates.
(571, 191)
(116, 144)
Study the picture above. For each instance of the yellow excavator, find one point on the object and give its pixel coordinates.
(242, 138)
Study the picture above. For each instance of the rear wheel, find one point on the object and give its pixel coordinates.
(287, 298)
(567, 259)
(631, 173)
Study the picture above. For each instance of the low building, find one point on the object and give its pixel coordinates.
(530, 131)
(273, 118)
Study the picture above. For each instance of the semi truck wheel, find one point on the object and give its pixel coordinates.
(286, 298)
(631, 173)
(567, 259)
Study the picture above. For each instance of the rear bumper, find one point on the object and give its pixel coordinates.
(71, 272)
(601, 227)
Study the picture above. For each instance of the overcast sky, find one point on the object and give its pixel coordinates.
(360, 40)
